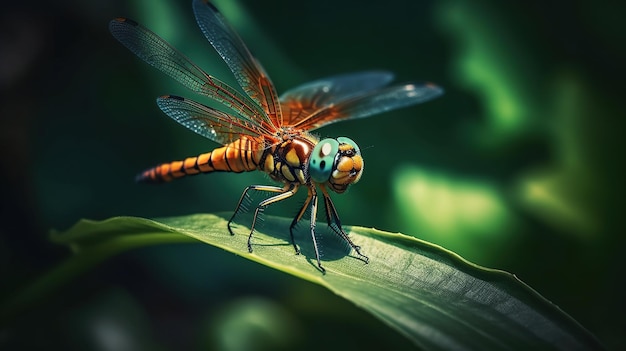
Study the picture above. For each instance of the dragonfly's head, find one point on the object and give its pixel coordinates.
(336, 162)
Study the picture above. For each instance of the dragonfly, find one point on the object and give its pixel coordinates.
(260, 131)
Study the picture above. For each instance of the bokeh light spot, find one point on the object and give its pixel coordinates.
(458, 214)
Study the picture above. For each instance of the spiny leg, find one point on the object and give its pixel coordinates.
(288, 191)
(332, 218)
(298, 217)
(313, 219)
(269, 188)
(311, 200)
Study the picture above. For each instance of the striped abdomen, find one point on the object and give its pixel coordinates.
(242, 155)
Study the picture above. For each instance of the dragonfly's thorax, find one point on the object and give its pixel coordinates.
(287, 160)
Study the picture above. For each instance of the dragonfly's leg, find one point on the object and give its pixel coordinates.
(298, 218)
(288, 191)
(313, 219)
(332, 217)
(269, 188)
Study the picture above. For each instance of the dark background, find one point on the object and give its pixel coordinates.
(519, 166)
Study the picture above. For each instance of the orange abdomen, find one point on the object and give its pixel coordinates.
(242, 155)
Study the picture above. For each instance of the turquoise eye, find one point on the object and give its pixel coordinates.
(344, 140)
(322, 159)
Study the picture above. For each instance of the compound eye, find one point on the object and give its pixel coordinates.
(322, 160)
(344, 140)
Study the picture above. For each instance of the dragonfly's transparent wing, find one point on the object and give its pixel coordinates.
(371, 103)
(208, 122)
(158, 53)
(306, 99)
(247, 70)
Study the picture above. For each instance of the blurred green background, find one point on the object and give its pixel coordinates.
(516, 167)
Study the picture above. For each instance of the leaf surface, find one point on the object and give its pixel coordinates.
(429, 294)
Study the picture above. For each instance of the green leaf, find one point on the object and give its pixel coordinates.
(429, 294)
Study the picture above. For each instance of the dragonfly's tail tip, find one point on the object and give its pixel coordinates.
(143, 177)
(139, 178)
